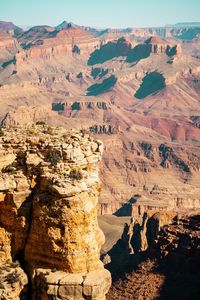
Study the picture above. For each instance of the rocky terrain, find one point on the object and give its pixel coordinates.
(136, 89)
(49, 235)
(168, 268)
(64, 92)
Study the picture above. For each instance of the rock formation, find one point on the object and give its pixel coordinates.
(48, 214)
(10, 28)
(179, 242)
(170, 270)
(8, 47)
(51, 70)
(13, 281)
(148, 226)
(47, 43)
(160, 46)
(103, 129)
(80, 104)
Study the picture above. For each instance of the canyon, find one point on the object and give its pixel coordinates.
(66, 91)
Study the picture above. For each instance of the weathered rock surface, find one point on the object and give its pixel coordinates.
(170, 267)
(179, 242)
(47, 43)
(147, 223)
(159, 46)
(48, 211)
(13, 282)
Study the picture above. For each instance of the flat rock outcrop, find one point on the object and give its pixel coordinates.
(48, 211)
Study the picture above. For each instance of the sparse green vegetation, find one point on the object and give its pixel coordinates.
(14, 72)
(75, 174)
(15, 264)
(54, 158)
(10, 168)
(9, 62)
(40, 123)
(12, 277)
(80, 75)
(99, 72)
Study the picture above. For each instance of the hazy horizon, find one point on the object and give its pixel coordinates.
(102, 14)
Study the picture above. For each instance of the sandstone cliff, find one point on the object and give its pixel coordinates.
(157, 229)
(48, 214)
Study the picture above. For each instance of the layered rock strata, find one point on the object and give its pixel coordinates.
(159, 46)
(48, 211)
(149, 227)
(179, 242)
(170, 271)
(71, 41)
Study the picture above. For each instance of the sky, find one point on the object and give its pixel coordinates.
(101, 13)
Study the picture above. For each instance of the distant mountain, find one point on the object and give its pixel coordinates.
(10, 27)
(187, 24)
(25, 27)
(185, 33)
(65, 25)
(35, 35)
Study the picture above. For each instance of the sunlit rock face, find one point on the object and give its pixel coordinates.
(48, 211)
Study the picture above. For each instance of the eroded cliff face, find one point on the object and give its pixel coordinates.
(156, 229)
(69, 41)
(158, 175)
(48, 212)
(170, 267)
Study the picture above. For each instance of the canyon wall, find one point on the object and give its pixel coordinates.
(161, 231)
(50, 236)
(74, 41)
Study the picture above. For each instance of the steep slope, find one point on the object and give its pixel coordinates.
(8, 48)
(11, 28)
(49, 184)
(169, 269)
(103, 96)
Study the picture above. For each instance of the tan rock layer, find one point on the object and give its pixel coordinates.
(49, 188)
